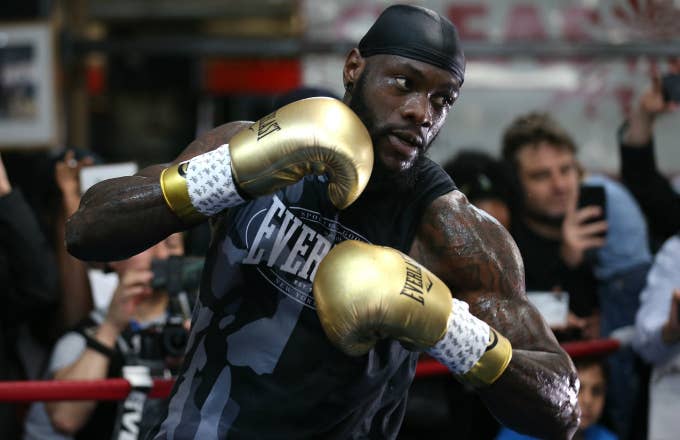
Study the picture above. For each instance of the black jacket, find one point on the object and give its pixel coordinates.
(657, 199)
(28, 280)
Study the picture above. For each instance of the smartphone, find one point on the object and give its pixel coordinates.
(593, 195)
(670, 87)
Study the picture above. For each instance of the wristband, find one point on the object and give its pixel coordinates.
(174, 188)
(472, 350)
(202, 186)
(97, 346)
(493, 362)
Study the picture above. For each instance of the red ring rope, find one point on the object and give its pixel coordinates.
(50, 390)
(594, 347)
(118, 389)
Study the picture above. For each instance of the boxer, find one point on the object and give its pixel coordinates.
(339, 253)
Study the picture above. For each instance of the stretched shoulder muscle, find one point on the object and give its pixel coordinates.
(468, 248)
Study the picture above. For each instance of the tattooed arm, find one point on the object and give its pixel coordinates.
(481, 264)
(120, 217)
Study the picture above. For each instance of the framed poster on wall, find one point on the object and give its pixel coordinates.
(27, 86)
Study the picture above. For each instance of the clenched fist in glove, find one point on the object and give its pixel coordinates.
(364, 293)
(314, 135)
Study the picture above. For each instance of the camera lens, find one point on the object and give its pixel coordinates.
(175, 339)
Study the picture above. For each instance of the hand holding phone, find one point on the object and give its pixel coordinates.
(670, 88)
(585, 226)
(591, 195)
(663, 95)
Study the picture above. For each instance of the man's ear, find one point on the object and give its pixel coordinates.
(354, 66)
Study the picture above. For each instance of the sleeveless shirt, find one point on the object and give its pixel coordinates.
(258, 363)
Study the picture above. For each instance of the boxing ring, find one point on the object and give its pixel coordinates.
(119, 388)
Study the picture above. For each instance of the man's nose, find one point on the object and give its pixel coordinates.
(418, 109)
(585, 398)
(560, 183)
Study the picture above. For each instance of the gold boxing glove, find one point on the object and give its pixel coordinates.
(364, 293)
(314, 135)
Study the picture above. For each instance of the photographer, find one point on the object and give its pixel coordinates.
(128, 333)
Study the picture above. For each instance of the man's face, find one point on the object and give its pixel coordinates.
(549, 178)
(591, 395)
(403, 104)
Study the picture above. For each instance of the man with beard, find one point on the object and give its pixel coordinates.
(285, 345)
(554, 237)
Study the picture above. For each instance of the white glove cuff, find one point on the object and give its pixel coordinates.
(210, 183)
(465, 340)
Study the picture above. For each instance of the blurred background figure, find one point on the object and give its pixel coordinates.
(586, 236)
(28, 289)
(132, 331)
(620, 267)
(551, 231)
(658, 339)
(76, 293)
(592, 373)
(639, 172)
(486, 182)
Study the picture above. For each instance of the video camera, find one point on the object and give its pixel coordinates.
(176, 274)
(180, 276)
(163, 341)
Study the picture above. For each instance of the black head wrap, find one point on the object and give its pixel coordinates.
(417, 33)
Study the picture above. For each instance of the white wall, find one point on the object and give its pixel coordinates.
(589, 97)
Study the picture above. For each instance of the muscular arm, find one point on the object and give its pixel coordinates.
(118, 218)
(481, 265)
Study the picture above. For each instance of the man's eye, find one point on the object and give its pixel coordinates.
(539, 176)
(402, 82)
(443, 101)
(568, 169)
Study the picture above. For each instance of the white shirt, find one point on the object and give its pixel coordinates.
(655, 305)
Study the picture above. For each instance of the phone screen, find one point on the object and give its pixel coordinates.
(670, 87)
(590, 195)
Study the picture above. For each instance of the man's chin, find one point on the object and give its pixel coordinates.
(548, 219)
(398, 167)
(585, 423)
(395, 163)
(396, 176)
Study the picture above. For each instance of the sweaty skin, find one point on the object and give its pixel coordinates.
(462, 245)
(118, 218)
(480, 263)
(406, 105)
